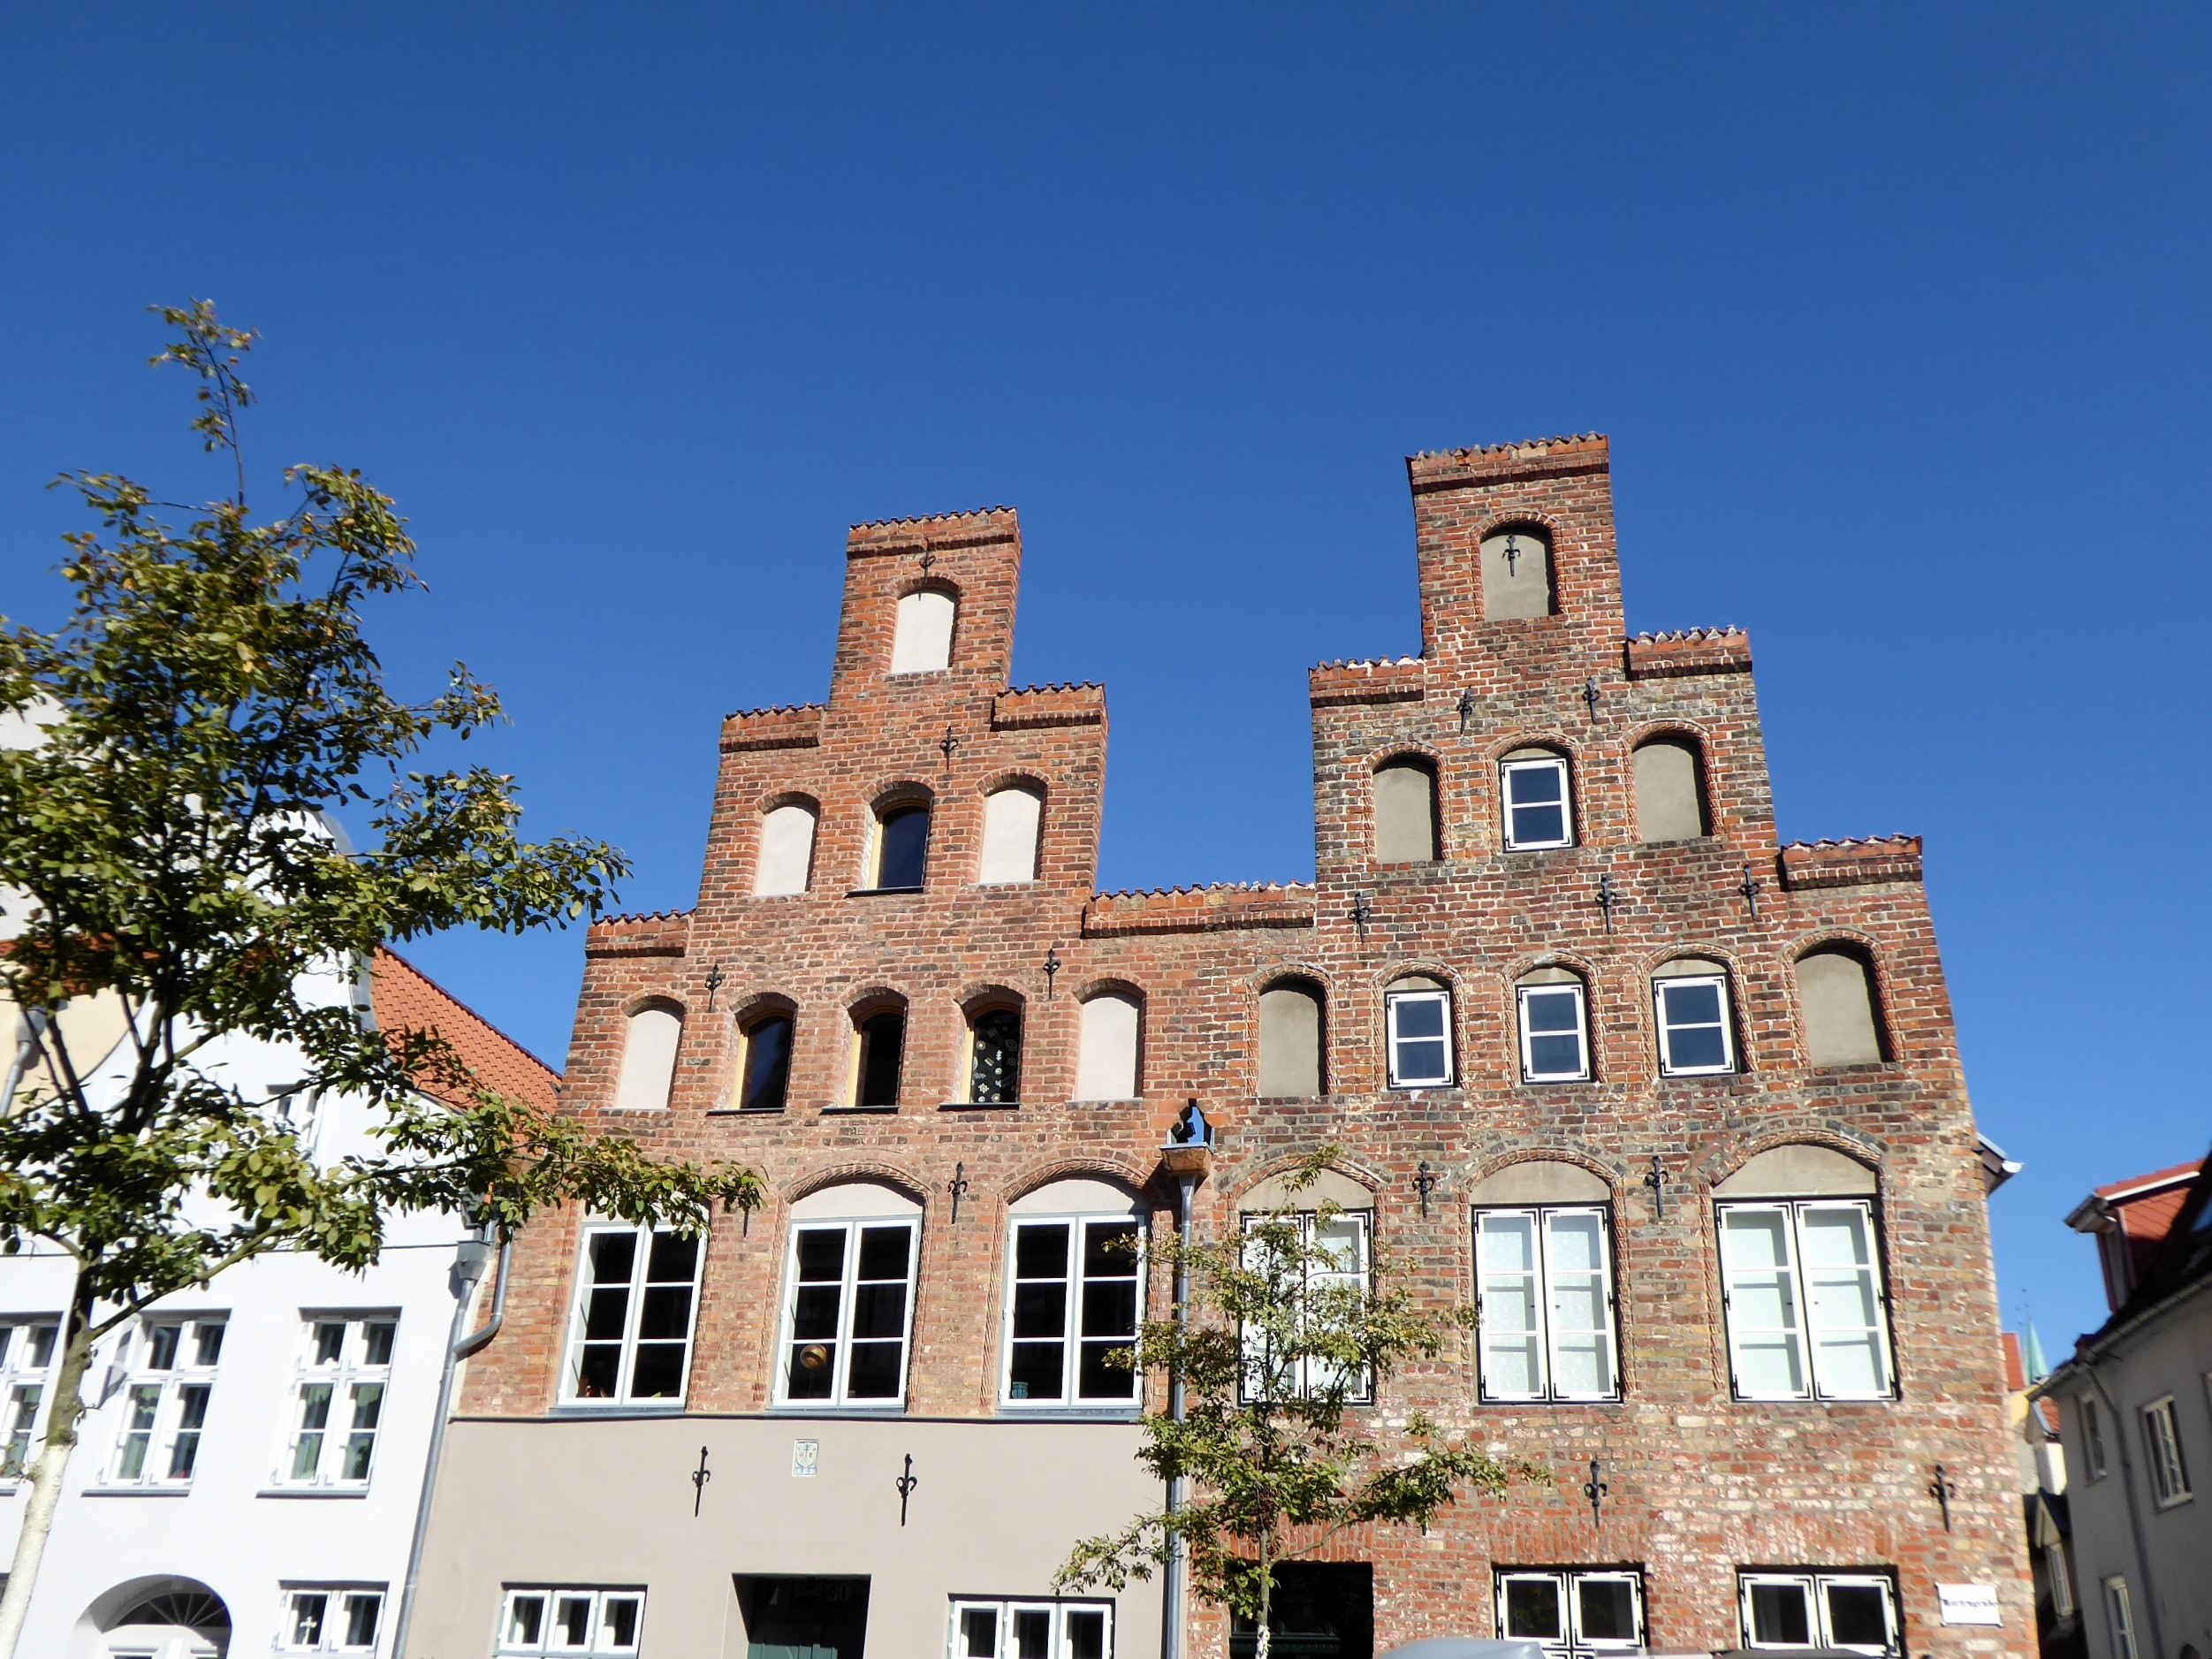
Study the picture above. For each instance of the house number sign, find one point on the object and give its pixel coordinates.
(804, 1454)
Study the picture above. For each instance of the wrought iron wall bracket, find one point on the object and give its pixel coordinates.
(958, 1187)
(1656, 1180)
(906, 1483)
(699, 1479)
(1595, 1489)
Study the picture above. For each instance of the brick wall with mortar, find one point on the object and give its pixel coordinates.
(1699, 1484)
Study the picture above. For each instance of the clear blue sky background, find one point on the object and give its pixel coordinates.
(1897, 317)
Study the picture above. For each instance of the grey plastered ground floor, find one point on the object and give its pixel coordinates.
(996, 1506)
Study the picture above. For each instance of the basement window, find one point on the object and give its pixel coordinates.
(1032, 1630)
(1784, 1609)
(574, 1622)
(1573, 1611)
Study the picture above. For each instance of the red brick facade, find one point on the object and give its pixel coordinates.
(1700, 1483)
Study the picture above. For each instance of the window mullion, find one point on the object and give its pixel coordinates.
(633, 1310)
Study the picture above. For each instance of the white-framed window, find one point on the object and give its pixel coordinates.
(1812, 1608)
(1695, 1039)
(1074, 1299)
(165, 1400)
(331, 1619)
(1030, 1630)
(339, 1401)
(1545, 1304)
(2092, 1454)
(574, 1622)
(1801, 1287)
(2121, 1616)
(629, 1333)
(1539, 811)
(298, 1112)
(26, 1357)
(2162, 1443)
(1555, 1032)
(1572, 1610)
(1345, 1240)
(2061, 1574)
(847, 1312)
(1419, 1026)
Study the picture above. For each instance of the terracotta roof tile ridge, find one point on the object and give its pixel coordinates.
(1059, 685)
(1468, 451)
(1850, 840)
(1372, 662)
(645, 916)
(777, 708)
(1205, 887)
(931, 518)
(1665, 635)
(2157, 1177)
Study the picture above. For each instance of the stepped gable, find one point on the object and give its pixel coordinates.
(970, 529)
(787, 726)
(657, 933)
(1431, 469)
(1022, 708)
(1692, 650)
(407, 999)
(1851, 863)
(1209, 908)
(1391, 680)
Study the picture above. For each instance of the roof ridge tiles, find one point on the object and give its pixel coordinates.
(1722, 632)
(1205, 887)
(776, 708)
(931, 518)
(1851, 840)
(645, 916)
(1059, 685)
(1468, 450)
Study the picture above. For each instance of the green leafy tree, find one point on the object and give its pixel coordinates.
(166, 851)
(1281, 1340)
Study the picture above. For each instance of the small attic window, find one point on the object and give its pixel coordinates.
(922, 642)
(1517, 573)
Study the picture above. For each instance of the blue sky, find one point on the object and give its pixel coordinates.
(1896, 317)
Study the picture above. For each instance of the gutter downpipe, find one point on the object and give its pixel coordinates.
(469, 1257)
(1171, 1588)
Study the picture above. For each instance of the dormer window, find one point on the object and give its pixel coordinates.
(922, 642)
(1539, 810)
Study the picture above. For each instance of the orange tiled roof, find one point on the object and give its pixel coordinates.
(407, 999)
(2157, 1177)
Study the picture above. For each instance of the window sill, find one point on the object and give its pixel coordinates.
(857, 1111)
(881, 893)
(1807, 1399)
(746, 1111)
(980, 1106)
(1546, 1402)
(2162, 1506)
(1046, 1412)
(312, 1492)
(620, 1408)
(136, 1492)
(818, 1408)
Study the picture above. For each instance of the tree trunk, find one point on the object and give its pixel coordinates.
(62, 1417)
(1266, 1606)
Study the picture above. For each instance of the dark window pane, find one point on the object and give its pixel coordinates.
(906, 846)
(822, 1255)
(1420, 1016)
(1780, 1613)
(1109, 1308)
(1032, 1633)
(1855, 1614)
(1537, 824)
(613, 1255)
(1608, 1610)
(1109, 1249)
(1554, 1012)
(1695, 1050)
(1033, 1373)
(995, 1077)
(597, 1370)
(1041, 1253)
(879, 1310)
(605, 1311)
(658, 1372)
(621, 1620)
(883, 1040)
(1694, 1004)
(767, 1065)
(1533, 1612)
(673, 1260)
(813, 1368)
(814, 1313)
(1086, 1634)
(875, 1374)
(1098, 1380)
(1534, 785)
(1422, 1062)
(1040, 1310)
(883, 1252)
(666, 1313)
(1555, 1056)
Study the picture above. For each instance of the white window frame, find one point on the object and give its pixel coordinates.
(1580, 992)
(333, 1620)
(1362, 1276)
(1056, 1610)
(2092, 1452)
(638, 1284)
(28, 1347)
(2061, 1573)
(2161, 1447)
(1541, 1220)
(513, 1641)
(837, 1400)
(1665, 1028)
(2119, 1615)
(1393, 1000)
(1816, 1583)
(339, 1379)
(1075, 1281)
(1574, 1644)
(166, 1396)
(1800, 1333)
(1508, 770)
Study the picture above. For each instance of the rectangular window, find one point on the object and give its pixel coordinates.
(629, 1335)
(1812, 1608)
(1544, 1303)
(1537, 814)
(1554, 1044)
(1342, 1240)
(26, 1355)
(1032, 1630)
(1801, 1286)
(849, 1303)
(1572, 1610)
(2062, 1579)
(339, 1401)
(2161, 1440)
(2121, 1616)
(2092, 1435)
(1420, 1030)
(331, 1619)
(1694, 1037)
(1074, 1299)
(574, 1622)
(165, 1400)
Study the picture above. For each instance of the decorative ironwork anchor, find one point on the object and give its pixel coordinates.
(1657, 1182)
(1590, 694)
(1360, 915)
(699, 1479)
(1052, 968)
(929, 560)
(1943, 1489)
(947, 744)
(1466, 708)
(1609, 895)
(1595, 1489)
(1425, 1180)
(958, 1186)
(1512, 552)
(1749, 889)
(906, 1483)
(716, 980)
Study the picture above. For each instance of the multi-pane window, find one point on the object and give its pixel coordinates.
(1858, 1610)
(2120, 1615)
(1032, 1630)
(1337, 1254)
(1075, 1301)
(1538, 812)
(1555, 1033)
(847, 1312)
(574, 1624)
(1801, 1284)
(1694, 1035)
(1420, 1025)
(2092, 1435)
(339, 1401)
(1546, 1304)
(994, 1057)
(331, 1619)
(27, 1354)
(629, 1335)
(2162, 1442)
(165, 1402)
(1572, 1610)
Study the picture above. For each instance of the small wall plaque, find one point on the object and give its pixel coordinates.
(805, 1453)
(1968, 1603)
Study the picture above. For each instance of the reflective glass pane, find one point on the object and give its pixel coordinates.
(979, 1633)
(1533, 1612)
(1782, 1615)
(1605, 1609)
(1418, 1015)
(883, 1252)
(673, 1261)
(1040, 1249)
(821, 1255)
(1858, 1614)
